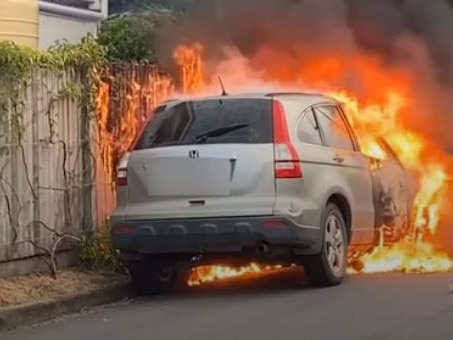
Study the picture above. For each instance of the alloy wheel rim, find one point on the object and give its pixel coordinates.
(335, 245)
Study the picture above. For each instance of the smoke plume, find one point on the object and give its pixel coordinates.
(362, 46)
(407, 36)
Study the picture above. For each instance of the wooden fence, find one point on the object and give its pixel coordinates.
(57, 162)
(41, 165)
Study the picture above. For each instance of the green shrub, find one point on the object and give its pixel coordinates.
(132, 37)
(96, 251)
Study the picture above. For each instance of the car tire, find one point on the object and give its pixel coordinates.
(148, 278)
(328, 267)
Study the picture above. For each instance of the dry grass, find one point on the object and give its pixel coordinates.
(38, 287)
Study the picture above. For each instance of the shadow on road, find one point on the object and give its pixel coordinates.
(286, 281)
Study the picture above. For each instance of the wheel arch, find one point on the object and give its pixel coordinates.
(343, 205)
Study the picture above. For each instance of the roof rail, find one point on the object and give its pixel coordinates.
(270, 94)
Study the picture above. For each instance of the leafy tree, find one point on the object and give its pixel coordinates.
(131, 37)
(122, 6)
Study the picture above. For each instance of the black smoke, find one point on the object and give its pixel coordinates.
(417, 34)
(372, 24)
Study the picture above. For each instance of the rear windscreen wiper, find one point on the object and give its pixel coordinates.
(219, 132)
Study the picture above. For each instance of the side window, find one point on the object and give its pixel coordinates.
(343, 111)
(307, 129)
(334, 128)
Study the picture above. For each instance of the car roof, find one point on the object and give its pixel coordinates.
(306, 97)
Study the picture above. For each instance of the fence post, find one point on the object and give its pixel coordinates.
(36, 77)
(87, 161)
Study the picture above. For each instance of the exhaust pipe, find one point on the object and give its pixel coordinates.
(262, 248)
(166, 272)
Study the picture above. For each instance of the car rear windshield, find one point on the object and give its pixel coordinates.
(215, 121)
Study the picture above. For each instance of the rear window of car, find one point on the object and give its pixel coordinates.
(214, 121)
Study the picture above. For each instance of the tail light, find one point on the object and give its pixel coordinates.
(287, 162)
(121, 177)
(274, 224)
(122, 229)
(121, 173)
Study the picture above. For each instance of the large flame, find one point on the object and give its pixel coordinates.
(134, 101)
(379, 110)
(377, 100)
(204, 274)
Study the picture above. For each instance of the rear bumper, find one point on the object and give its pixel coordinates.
(213, 235)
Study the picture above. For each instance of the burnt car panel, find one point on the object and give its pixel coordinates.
(393, 193)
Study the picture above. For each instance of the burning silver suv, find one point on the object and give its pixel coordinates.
(271, 178)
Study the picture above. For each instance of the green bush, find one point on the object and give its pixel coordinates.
(121, 6)
(96, 251)
(132, 37)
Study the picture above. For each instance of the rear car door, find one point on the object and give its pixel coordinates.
(352, 168)
(203, 158)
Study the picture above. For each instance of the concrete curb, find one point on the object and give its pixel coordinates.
(42, 311)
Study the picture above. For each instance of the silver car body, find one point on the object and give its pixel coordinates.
(211, 181)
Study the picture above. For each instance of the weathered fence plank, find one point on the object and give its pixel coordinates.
(40, 170)
(57, 162)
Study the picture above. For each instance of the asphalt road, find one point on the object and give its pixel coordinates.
(393, 307)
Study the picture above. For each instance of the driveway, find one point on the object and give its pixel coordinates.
(390, 306)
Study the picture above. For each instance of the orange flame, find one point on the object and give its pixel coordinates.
(135, 101)
(204, 274)
(380, 111)
(188, 58)
(406, 256)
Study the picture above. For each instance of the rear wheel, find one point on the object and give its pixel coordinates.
(150, 278)
(328, 268)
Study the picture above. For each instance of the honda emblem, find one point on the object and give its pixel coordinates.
(194, 154)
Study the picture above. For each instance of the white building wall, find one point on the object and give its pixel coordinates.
(57, 22)
(54, 27)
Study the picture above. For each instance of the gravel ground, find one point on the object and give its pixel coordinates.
(37, 287)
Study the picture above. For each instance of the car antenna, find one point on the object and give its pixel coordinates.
(224, 93)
